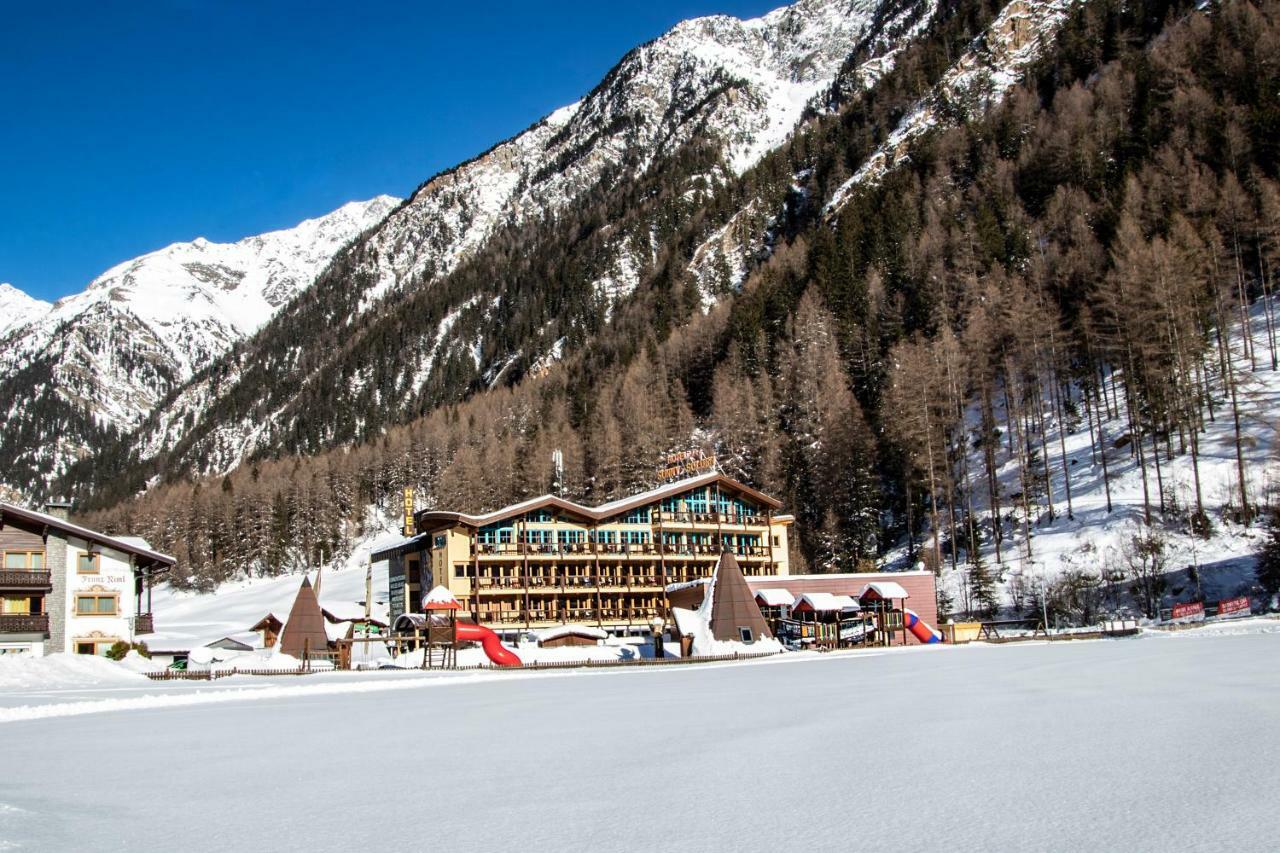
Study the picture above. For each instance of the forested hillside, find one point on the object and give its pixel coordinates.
(1070, 252)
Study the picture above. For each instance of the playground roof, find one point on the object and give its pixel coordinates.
(884, 590)
(774, 597)
(440, 598)
(822, 602)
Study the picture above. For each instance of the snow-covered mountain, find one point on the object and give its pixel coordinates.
(17, 308)
(145, 326)
(740, 86)
(744, 84)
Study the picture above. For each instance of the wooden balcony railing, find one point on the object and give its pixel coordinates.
(24, 624)
(25, 579)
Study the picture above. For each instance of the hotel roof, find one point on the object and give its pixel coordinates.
(428, 519)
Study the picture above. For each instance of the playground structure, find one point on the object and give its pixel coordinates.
(877, 617)
(438, 633)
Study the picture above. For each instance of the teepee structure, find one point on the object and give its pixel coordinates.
(304, 629)
(733, 606)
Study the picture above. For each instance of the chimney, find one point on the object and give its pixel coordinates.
(59, 509)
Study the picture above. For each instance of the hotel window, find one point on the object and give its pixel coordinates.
(87, 563)
(637, 516)
(604, 536)
(570, 537)
(634, 537)
(440, 542)
(97, 605)
(19, 561)
(697, 501)
(539, 515)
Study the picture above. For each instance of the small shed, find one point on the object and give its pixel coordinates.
(571, 635)
(268, 628)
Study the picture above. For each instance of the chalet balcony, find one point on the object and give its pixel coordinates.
(11, 623)
(144, 623)
(25, 579)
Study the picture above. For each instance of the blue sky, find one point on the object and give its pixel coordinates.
(129, 126)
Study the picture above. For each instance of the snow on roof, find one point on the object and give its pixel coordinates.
(884, 590)
(570, 631)
(440, 598)
(775, 597)
(250, 639)
(823, 602)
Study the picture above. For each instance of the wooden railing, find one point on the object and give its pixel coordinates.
(11, 623)
(25, 578)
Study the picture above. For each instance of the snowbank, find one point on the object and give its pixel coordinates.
(24, 672)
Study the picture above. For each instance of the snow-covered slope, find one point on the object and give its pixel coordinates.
(992, 66)
(17, 308)
(145, 326)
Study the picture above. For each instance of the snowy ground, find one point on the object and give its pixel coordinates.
(1142, 744)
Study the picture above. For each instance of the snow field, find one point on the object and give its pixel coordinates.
(1132, 744)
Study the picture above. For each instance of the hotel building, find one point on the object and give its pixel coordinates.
(65, 588)
(549, 561)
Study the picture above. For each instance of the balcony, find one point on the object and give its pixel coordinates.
(25, 579)
(24, 623)
(144, 623)
(710, 518)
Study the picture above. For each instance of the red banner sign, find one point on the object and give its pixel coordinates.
(1234, 607)
(1190, 612)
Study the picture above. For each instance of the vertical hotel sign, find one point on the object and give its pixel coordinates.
(687, 463)
(408, 512)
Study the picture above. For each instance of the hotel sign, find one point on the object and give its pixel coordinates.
(408, 512)
(686, 463)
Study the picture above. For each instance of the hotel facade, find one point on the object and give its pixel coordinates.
(65, 588)
(549, 561)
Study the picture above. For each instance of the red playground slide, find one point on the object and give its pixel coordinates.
(924, 633)
(498, 653)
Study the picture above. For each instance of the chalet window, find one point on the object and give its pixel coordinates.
(539, 515)
(745, 635)
(16, 606)
(97, 605)
(17, 561)
(440, 542)
(777, 543)
(94, 647)
(87, 564)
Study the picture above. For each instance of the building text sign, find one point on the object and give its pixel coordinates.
(1234, 607)
(686, 463)
(1190, 612)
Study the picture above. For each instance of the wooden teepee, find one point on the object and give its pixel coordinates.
(304, 629)
(733, 606)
